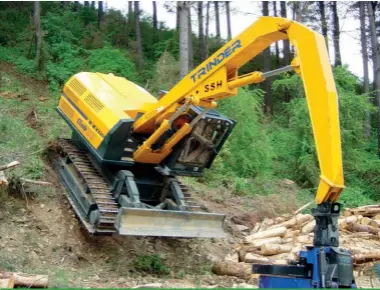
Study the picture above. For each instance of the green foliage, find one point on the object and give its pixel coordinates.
(66, 63)
(165, 66)
(245, 162)
(292, 135)
(151, 264)
(110, 60)
(18, 140)
(260, 152)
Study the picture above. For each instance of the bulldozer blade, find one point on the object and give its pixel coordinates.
(166, 223)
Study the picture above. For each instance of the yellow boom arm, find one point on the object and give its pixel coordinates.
(217, 78)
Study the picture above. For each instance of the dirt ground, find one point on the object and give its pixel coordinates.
(40, 234)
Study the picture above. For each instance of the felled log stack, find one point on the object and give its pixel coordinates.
(11, 280)
(279, 240)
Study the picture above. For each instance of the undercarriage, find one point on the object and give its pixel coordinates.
(140, 201)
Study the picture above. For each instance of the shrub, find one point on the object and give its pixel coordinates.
(111, 60)
(151, 264)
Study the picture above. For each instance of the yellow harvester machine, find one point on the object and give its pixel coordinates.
(128, 148)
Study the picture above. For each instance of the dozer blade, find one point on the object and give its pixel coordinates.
(166, 223)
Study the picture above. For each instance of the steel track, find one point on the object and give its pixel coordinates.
(95, 186)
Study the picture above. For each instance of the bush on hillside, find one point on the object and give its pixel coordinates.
(111, 60)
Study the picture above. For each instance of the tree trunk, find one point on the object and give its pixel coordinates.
(191, 49)
(38, 35)
(286, 43)
(321, 7)
(100, 13)
(130, 13)
(138, 35)
(202, 47)
(87, 4)
(376, 65)
(276, 44)
(76, 6)
(268, 106)
(336, 33)
(363, 41)
(155, 15)
(229, 35)
(297, 11)
(183, 10)
(178, 16)
(217, 22)
(93, 4)
(207, 28)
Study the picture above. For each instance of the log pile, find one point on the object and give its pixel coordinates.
(12, 280)
(279, 240)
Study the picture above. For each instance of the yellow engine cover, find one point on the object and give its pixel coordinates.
(94, 103)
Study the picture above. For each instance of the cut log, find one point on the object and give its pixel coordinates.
(259, 243)
(355, 227)
(268, 222)
(303, 207)
(234, 257)
(7, 282)
(358, 250)
(228, 268)
(375, 223)
(279, 220)
(9, 165)
(281, 262)
(291, 234)
(365, 258)
(296, 249)
(36, 182)
(347, 213)
(280, 231)
(367, 206)
(254, 258)
(350, 219)
(304, 239)
(296, 221)
(309, 227)
(377, 217)
(247, 249)
(274, 249)
(367, 212)
(287, 240)
(365, 221)
(27, 280)
(256, 228)
(265, 224)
